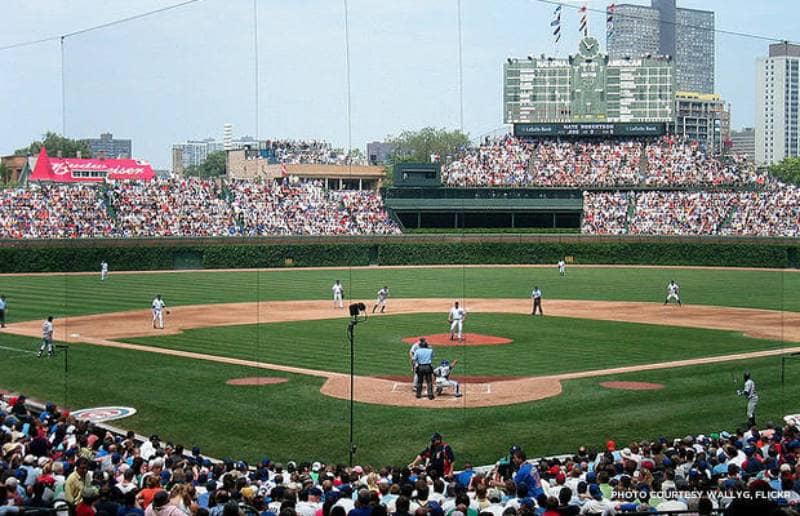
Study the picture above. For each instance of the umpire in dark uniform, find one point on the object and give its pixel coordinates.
(423, 356)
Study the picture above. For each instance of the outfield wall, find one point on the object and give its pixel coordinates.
(223, 253)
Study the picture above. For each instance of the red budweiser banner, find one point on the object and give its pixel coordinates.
(75, 170)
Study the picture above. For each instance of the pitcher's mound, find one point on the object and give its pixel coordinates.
(257, 380)
(470, 339)
(632, 386)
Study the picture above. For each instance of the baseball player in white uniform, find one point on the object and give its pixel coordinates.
(383, 295)
(749, 391)
(47, 337)
(338, 293)
(456, 320)
(103, 270)
(158, 312)
(673, 293)
(562, 268)
(442, 379)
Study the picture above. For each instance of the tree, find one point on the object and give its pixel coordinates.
(54, 143)
(787, 170)
(5, 174)
(214, 165)
(420, 145)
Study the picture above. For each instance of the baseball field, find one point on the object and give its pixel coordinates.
(258, 362)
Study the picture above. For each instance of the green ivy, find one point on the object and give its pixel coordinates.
(72, 256)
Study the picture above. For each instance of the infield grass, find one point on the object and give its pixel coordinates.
(542, 345)
(188, 402)
(36, 296)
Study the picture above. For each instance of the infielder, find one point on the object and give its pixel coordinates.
(103, 270)
(562, 268)
(338, 293)
(752, 398)
(536, 296)
(673, 293)
(442, 378)
(47, 338)
(383, 295)
(158, 312)
(456, 320)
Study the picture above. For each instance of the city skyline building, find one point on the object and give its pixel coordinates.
(777, 91)
(687, 35)
(109, 147)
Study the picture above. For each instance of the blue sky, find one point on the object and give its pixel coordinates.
(182, 74)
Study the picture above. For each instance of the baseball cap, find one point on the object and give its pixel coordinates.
(611, 445)
(436, 437)
(316, 466)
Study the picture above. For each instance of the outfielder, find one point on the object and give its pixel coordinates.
(383, 295)
(158, 312)
(47, 337)
(562, 268)
(103, 270)
(338, 292)
(442, 378)
(673, 293)
(456, 320)
(752, 398)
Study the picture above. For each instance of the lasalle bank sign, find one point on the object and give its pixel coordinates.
(73, 170)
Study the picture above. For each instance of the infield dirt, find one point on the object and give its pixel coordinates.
(111, 328)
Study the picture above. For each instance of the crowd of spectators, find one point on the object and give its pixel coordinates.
(669, 161)
(308, 152)
(175, 207)
(51, 461)
(674, 161)
(680, 213)
(189, 207)
(605, 213)
(293, 207)
(774, 212)
(53, 211)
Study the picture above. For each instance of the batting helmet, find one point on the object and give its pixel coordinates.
(445, 363)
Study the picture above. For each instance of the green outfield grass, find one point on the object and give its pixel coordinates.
(188, 402)
(34, 297)
(545, 345)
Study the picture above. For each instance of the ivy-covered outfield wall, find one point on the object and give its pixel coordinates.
(86, 255)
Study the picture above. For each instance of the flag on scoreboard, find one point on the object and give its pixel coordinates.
(584, 26)
(557, 24)
(610, 20)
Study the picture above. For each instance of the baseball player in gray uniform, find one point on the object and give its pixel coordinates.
(103, 270)
(159, 306)
(47, 338)
(749, 391)
(383, 295)
(673, 293)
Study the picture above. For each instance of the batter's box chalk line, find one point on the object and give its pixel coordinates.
(470, 388)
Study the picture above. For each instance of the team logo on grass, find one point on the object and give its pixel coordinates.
(101, 414)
